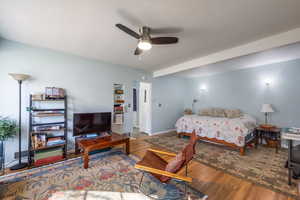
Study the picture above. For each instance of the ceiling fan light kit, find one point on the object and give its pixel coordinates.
(145, 41)
(144, 45)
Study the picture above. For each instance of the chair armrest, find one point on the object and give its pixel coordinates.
(162, 152)
(164, 173)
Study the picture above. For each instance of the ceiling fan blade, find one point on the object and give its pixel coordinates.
(128, 31)
(138, 51)
(164, 40)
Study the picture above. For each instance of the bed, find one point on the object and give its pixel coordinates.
(236, 132)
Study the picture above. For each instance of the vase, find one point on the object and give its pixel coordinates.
(1, 157)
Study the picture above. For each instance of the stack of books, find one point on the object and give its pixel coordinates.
(48, 156)
(54, 93)
(48, 128)
(119, 109)
(55, 141)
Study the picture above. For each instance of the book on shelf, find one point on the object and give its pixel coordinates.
(117, 91)
(47, 153)
(38, 141)
(54, 93)
(118, 108)
(55, 141)
(48, 156)
(38, 97)
(48, 128)
(48, 113)
(48, 160)
(119, 101)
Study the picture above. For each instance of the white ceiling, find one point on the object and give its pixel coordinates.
(277, 55)
(86, 27)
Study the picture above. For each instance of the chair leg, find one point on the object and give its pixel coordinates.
(141, 180)
(185, 184)
(186, 169)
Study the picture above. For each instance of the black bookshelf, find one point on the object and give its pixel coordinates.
(32, 124)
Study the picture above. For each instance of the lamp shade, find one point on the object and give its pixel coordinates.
(19, 77)
(267, 108)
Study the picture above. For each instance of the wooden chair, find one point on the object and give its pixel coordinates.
(165, 171)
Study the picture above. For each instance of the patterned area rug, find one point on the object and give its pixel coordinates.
(261, 166)
(111, 176)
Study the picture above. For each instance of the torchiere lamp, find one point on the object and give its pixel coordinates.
(20, 78)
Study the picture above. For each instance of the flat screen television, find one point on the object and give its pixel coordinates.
(88, 123)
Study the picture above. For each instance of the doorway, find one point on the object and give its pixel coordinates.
(141, 110)
(144, 111)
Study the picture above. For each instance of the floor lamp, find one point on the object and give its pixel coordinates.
(20, 78)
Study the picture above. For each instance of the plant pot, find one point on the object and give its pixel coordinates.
(1, 157)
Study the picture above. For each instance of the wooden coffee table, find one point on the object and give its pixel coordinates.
(89, 145)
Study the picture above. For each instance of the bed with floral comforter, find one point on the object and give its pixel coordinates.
(236, 131)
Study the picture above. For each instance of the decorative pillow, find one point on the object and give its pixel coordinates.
(234, 113)
(206, 112)
(187, 111)
(218, 112)
(175, 164)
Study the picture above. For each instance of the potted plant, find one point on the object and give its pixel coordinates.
(8, 129)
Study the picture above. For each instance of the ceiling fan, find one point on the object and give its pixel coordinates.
(145, 40)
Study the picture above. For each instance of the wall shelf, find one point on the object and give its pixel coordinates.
(119, 104)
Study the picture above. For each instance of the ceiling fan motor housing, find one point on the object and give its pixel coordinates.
(145, 33)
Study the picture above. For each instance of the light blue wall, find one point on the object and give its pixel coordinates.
(169, 91)
(88, 83)
(246, 89)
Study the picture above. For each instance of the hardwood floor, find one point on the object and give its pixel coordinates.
(216, 184)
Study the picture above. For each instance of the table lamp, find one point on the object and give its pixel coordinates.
(267, 108)
(20, 78)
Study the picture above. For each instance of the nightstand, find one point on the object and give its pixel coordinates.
(293, 161)
(270, 135)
